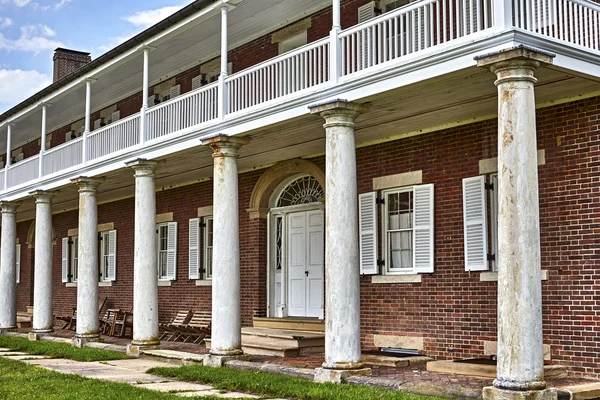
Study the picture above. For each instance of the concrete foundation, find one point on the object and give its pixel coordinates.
(135, 350)
(493, 393)
(81, 341)
(339, 375)
(215, 361)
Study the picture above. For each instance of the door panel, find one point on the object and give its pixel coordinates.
(314, 257)
(296, 264)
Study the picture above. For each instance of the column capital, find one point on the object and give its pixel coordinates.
(225, 146)
(87, 184)
(143, 167)
(9, 207)
(338, 112)
(515, 64)
(43, 196)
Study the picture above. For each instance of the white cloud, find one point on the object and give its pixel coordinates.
(148, 18)
(34, 38)
(18, 3)
(61, 4)
(5, 22)
(17, 85)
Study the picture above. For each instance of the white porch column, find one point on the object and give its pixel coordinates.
(342, 291)
(335, 64)
(88, 116)
(520, 371)
(226, 305)
(87, 279)
(8, 271)
(145, 94)
(145, 268)
(43, 140)
(8, 153)
(42, 285)
(222, 105)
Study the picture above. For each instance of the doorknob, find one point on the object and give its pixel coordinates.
(306, 273)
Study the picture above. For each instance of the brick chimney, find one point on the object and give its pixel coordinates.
(68, 61)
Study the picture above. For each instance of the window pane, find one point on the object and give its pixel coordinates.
(399, 208)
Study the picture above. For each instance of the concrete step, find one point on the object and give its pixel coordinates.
(296, 324)
(292, 337)
(586, 391)
(475, 368)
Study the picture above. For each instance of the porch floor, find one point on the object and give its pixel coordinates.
(414, 379)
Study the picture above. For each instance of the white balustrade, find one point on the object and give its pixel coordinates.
(409, 29)
(115, 137)
(182, 112)
(292, 72)
(65, 156)
(24, 171)
(573, 21)
(2, 180)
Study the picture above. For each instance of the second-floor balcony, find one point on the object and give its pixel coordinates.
(425, 38)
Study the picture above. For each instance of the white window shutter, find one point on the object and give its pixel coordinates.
(194, 248)
(367, 217)
(115, 116)
(68, 136)
(97, 123)
(172, 250)
(151, 100)
(423, 229)
(65, 260)
(366, 12)
(197, 82)
(112, 256)
(475, 223)
(174, 91)
(18, 262)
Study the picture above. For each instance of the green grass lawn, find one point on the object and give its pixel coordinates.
(23, 381)
(274, 385)
(58, 350)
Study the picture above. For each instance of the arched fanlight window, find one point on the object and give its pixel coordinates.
(303, 190)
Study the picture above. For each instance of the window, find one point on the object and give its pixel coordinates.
(74, 245)
(108, 253)
(166, 236)
(407, 220)
(197, 269)
(70, 259)
(481, 246)
(18, 262)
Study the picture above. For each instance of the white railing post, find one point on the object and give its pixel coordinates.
(8, 153)
(222, 93)
(335, 50)
(502, 14)
(88, 117)
(43, 140)
(145, 95)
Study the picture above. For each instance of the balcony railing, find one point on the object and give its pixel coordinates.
(421, 26)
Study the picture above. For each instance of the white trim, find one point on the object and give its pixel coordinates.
(105, 284)
(70, 284)
(398, 180)
(204, 282)
(164, 282)
(490, 165)
(404, 278)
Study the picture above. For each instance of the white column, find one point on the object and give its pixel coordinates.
(342, 291)
(8, 153)
(145, 94)
(226, 306)
(145, 267)
(335, 64)
(8, 271)
(42, 285)
(43, 140)
(520, 354)
(87, 274)
(88, 116)
(222, 105)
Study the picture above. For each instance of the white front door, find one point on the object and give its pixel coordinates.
(305, 264)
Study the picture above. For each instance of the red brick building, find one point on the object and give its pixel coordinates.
(428, 122)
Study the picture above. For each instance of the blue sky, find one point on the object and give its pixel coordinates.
(30, 30)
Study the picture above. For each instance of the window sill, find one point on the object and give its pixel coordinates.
(412, 278)
(204, 282)
(493, 276)
(105, 284)
(71, 284)
(163, 283)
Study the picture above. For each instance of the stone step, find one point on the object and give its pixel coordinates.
(298, 324)
(475, 368)
(586, 391)
(291, 337)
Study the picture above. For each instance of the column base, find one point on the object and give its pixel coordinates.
(81, 340)
(38, 334)
(339, 375)
(8, 329)
(218, 361)
(493, 393)
(135, 349)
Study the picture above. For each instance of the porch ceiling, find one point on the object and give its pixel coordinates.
(194, 44)
(456, 98)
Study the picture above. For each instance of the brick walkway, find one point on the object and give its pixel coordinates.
(416, 378)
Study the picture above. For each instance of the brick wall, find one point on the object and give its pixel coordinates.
(451, 308)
